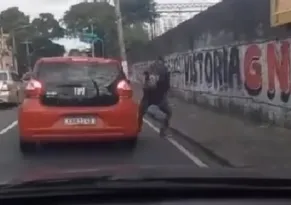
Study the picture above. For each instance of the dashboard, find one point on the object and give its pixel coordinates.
(199, 202)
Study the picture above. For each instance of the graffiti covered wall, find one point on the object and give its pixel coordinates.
(227, 60)
(253, 79)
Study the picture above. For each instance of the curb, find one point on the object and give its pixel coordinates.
(208, 152)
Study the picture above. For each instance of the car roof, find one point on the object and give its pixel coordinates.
(7, 71)
(77, 59)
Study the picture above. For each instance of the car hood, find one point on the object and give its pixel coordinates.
(141, 172)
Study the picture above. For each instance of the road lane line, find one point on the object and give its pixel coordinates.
(9, 127)
(182, 149)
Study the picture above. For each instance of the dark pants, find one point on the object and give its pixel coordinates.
(161, 103)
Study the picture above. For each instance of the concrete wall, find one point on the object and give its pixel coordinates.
(229, 59)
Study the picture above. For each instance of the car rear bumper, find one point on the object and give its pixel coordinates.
(6, 97)
(69, 136)
(39, 123)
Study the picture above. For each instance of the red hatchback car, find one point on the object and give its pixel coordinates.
(71, 99)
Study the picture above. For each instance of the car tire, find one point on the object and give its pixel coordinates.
(19, 101)
(27, 147)
(131, 144)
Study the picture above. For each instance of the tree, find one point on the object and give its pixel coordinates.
(137, 11)
(12, 18)
(80, 16)
(16, 22)
(47, 26)
(43, 47)
(101, 17)
(135, 35)
(39, 47)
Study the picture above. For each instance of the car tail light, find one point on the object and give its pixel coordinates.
(33, 89)
(124, 89)
(4, 87)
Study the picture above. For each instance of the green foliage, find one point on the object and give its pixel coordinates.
(96, 17)
(135, 35)
(137, 11)
(12, 18)
(101, 17)
(80, 16)
(47, 26)
(38, 32)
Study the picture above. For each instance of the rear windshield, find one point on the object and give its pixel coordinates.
(3, 76)
(102, 73)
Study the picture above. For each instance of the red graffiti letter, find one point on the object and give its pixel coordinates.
(253, 70)
(278, 65)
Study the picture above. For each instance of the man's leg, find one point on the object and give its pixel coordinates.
(165, 107)
(143, 107)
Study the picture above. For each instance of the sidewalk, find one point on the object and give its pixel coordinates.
(241, 143)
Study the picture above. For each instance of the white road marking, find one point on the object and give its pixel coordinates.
(9, 127)
(182, 149)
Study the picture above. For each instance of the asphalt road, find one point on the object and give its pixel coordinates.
(151, 150)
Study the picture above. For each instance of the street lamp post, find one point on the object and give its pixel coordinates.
(102, 44)
(27, 52)
(14, 49)
(92, 44)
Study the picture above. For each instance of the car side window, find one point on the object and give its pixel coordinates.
(15, 77)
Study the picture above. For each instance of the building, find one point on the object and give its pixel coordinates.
(280, 12)
(166, 22)
(172, 14)
(6, 60)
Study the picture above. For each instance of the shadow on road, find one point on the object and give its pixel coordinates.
(7, 106)
(80, 150)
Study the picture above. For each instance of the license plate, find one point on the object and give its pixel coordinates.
(80, 121)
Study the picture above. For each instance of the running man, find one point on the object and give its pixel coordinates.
(155, 92)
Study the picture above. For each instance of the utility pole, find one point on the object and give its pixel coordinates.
(27, 53)
(93, 41)
(2, 48)
(14, 51)
(121, 38)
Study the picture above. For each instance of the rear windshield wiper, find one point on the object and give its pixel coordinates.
(96, 87)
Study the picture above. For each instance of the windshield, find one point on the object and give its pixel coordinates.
(103, 73)
(189, 84)
(3, 76)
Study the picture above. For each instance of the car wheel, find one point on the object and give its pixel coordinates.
(27, 147)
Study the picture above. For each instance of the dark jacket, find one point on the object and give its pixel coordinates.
(157, 82)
